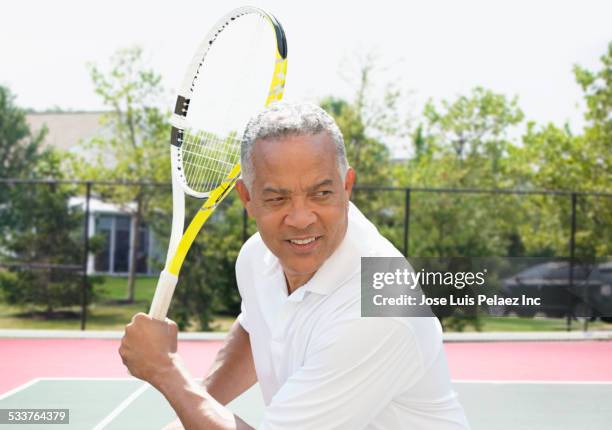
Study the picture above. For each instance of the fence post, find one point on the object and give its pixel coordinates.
(85, 257)
(572, 252)
(406, 221)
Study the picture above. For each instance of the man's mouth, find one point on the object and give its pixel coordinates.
(305, 242)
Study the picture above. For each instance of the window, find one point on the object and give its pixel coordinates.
(104, 227)
(115, 256)
(122, 244)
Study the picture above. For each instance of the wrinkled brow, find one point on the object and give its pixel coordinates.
(284, 191)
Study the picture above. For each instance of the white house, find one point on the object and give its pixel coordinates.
(66, 131)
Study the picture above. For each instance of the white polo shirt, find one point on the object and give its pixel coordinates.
(321, 366)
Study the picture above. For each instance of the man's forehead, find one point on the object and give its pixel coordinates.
(317, 141)
(289, 163)
(275, 187)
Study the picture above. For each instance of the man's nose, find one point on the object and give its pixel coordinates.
(300, 215)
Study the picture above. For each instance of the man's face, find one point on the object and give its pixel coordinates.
(299, 201)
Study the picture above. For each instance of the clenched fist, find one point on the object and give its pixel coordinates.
(148, 348)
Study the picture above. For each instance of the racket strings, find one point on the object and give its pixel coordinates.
(232, 83)
(208, 159)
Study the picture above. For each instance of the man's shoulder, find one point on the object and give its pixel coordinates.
(418, 340)
(365, 237)
(339, 319)
(254, 248)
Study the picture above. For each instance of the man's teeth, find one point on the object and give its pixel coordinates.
(302, 241)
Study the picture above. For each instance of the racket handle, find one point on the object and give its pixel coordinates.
(163, 295)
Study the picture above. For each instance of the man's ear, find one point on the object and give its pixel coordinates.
(349, 181)
(245, 196)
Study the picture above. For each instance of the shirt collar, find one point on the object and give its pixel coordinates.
(342, 265)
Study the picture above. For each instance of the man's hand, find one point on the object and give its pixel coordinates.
(148, 347)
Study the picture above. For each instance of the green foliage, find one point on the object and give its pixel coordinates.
(136, 146)
(458, 323)
(597, 88)
(37, 224)
(207, 284)
(18, 146)
(368, 156)
(19, 153)
(596, 157)
(546, 160)
(554, 158)
(46, 231)
(462, 144)
(473, 130)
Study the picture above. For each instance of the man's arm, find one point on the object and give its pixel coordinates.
(196, 408)
(148, 349)
(233, 371)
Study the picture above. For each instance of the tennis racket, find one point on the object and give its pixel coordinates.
(239, 67)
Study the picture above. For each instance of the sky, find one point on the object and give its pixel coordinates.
(431, 49)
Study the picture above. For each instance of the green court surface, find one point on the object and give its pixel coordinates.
(109, 403)
(125, 403)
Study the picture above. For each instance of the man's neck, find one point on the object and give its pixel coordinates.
(295, 282)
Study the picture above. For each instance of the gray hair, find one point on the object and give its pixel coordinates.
(284, 119)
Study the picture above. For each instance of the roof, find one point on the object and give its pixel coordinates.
(66, 130)
(99, 206)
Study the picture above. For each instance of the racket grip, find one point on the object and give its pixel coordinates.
(163, 295)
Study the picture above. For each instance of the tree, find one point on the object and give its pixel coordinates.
(207, 284)
(45, 238)
(38, 225)
(597, 89)
(552, 157)
(461, 143)
(18, 146)
(19, 151)
(474, 127)
(137, 147)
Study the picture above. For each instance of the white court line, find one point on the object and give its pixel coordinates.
(93, 334)
(476, 381)
(211, 336)
(121, 407)
(19, 388)
(93, 378)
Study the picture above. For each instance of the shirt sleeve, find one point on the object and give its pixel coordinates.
(242, 270)
(242, 317)
(353, 372)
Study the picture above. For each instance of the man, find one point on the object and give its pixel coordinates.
(300, 334)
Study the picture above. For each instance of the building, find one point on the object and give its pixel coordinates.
(68, 131)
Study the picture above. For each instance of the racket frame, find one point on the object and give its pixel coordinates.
(180, 241)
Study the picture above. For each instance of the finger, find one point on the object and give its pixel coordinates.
(173, 333)
(172, 326)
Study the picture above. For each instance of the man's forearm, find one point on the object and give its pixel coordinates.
(195, 407)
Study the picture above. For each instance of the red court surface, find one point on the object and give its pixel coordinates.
(531, 361)
(25, 359)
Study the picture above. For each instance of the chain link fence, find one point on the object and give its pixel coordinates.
(58, 237)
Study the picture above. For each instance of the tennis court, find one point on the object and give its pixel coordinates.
(505, 381)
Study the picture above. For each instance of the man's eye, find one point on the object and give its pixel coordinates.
(275, 200)
(323, 193)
